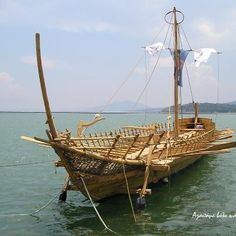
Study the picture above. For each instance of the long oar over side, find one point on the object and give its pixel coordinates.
(43, 87)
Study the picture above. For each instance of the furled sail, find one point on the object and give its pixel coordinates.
(202, 55)
(154, 48)
(182, 56)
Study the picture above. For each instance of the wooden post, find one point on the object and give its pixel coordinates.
(43, 88)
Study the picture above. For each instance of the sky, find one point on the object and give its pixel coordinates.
(89, 47)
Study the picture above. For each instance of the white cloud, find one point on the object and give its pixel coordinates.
(76, 26)
(8, 85)
(210, 33)
(162, 62)
(203, 82)
(47, 63)
(11, 10)
(5, 78)
(166, 62)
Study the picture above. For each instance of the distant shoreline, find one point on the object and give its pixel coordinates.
(117, 112)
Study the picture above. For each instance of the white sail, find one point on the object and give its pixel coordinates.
(202, 55)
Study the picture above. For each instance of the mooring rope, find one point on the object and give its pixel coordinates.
(99, 216)
(127, 186)
(31, 213)
(25, 164)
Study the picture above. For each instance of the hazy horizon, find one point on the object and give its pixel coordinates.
(89, 47)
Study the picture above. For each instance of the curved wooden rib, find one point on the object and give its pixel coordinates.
(43, 87)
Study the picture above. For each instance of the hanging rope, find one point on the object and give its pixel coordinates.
(146, 78)
(218, 83)
(189, 83)
(34, 212)
(181, 102)
(168, 143)
(127, 186)
(99, 216)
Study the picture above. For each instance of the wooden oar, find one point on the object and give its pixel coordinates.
(29, 139)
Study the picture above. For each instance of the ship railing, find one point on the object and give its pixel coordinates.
(182, 145)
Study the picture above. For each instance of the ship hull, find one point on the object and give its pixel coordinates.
(104, 185)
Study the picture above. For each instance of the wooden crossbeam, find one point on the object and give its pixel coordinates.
(145, 145)
(114, 144)
(131, 145)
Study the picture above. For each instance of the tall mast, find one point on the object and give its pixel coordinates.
(176, 74)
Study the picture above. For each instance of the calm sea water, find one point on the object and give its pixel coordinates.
(207, 187)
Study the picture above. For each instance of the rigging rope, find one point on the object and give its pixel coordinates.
(129, 74)
(127, 186)
(185, 37)
(186, 68)
(151, 74)
(170, 40)
(122, 84)
(99, 216)
(162, 27)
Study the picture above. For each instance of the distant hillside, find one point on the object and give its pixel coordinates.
(234, 102)
(207, 108)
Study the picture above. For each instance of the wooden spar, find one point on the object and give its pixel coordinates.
(176, 74)
(43, 88)
(152, 128)
(29, 139)
(196, 109)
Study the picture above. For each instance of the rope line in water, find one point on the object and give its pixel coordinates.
(127, 186)
(99, 216)
(25, 164)
(34, 212)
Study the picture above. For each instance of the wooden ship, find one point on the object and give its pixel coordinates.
(129, 159)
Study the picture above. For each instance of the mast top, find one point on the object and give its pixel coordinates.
(169, 17)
